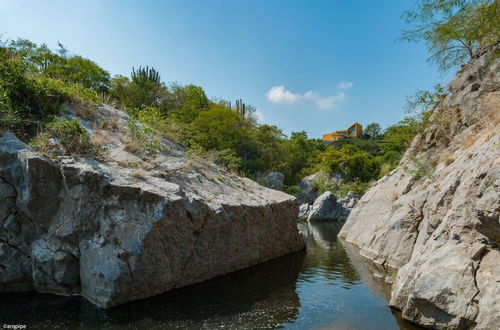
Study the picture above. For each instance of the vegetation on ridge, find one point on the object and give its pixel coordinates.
(35, 83)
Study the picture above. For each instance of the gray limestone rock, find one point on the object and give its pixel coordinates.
(130, 227)
(441, 229)
(308, 193)
(274, 180)
(304, 210)
(326, 207)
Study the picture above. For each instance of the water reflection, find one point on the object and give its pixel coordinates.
(331, 287)
(263, 296)
(325, 257)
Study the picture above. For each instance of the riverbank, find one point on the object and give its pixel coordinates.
(330, 286)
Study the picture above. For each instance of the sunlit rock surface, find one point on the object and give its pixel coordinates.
(436, 217)
(128, 228)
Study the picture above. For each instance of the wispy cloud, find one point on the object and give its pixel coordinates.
(324, 103)
(279, 94)
(259, 116)
(345, 85)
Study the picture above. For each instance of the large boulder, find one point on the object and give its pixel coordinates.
(304, 210)
(326, 207)
(129, 228)
(308, 192)
(436, 218)
(274, 180)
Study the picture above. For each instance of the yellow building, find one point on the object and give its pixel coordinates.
(353, 131)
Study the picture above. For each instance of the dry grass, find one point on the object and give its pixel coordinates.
(487, 124)
(109, 100)
(469, 139)
(100, 137)
(133, 146)
(138, 174)
(446, 157)
(86, 111)
(129, 164)
(109, 124)
(148, 166)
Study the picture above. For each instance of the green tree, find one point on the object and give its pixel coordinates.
(79, 70)
(184, 103)
(453, 29)
(298, 135)
(217, 129)
(70, 69)
(399, 137)
(372, 131)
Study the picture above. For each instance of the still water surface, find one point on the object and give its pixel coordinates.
(330, 287)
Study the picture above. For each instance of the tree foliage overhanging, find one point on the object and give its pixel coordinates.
(453, 29)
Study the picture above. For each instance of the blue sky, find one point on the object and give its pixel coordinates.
(306, 65)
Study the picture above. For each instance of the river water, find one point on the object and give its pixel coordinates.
(329, 287)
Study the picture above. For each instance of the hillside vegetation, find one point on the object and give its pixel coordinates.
(36, 83)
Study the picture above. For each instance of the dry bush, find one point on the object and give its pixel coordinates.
(105, 98)
(133, 146)
(109, 124)
(86, 110)
(101, 138)
(148, 166)
(67, 138)
(446, 157)
(129, 163)
(138, 174)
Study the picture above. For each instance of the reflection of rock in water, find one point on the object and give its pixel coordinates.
(374, 276)
(260, 296)
(323, 233)
(325, 254)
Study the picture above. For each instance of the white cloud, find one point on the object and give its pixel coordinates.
(324, 103)
(278, 94)
(259, 116)
(345, 85)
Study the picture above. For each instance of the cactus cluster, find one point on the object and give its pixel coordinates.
(241, 108)
(143, 74)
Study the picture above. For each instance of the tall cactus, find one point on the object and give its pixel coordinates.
(146, 74)
(241, 108)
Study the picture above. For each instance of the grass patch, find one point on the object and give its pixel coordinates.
(66, 138)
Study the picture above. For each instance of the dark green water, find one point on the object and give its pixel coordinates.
(330, 287)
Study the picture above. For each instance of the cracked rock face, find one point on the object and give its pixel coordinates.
(127, 229)
(436, 218)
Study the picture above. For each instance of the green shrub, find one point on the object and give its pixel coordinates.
(27, 102)
(142, 138)
(324, 182)
(40, 60)
(226, 158)
(421, 170)
(66, 138)
(293, 190)
(54, 91)
(356, 187)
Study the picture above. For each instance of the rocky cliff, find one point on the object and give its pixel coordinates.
(436, 217)
(127, 228)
